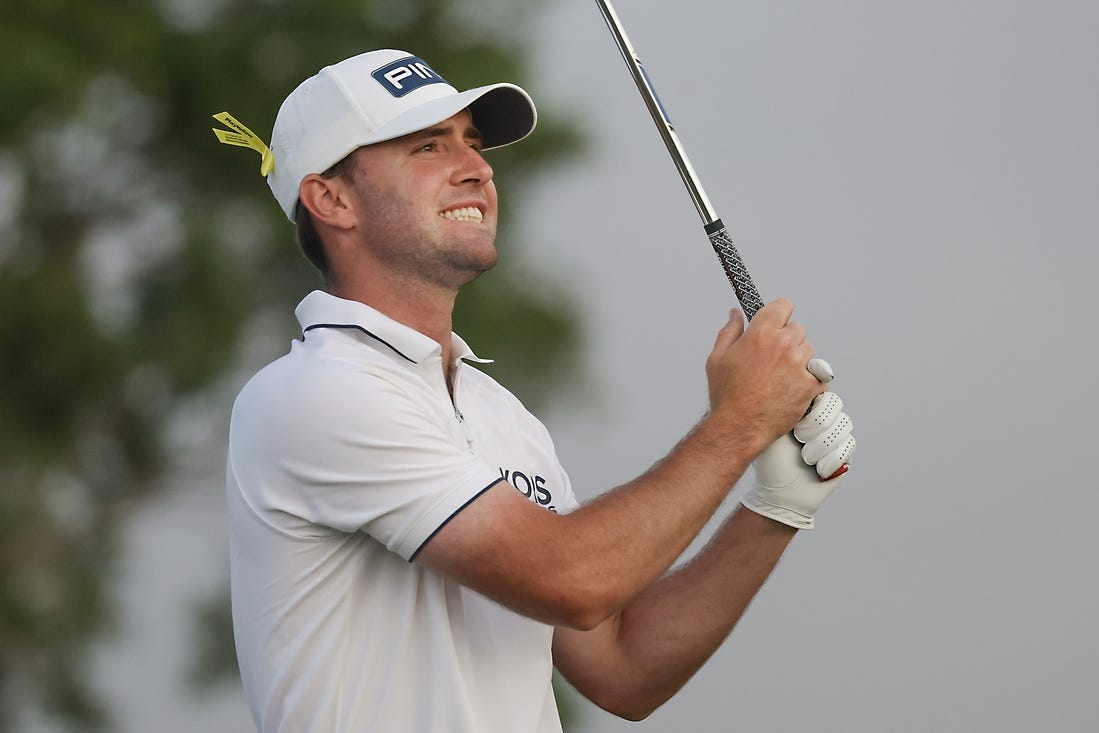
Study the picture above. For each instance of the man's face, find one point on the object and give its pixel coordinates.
(429, 203)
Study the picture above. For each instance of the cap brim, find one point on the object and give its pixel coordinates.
(503, 113)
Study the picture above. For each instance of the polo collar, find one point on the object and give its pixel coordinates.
(324, 310)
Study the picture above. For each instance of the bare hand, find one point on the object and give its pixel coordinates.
(759, 384)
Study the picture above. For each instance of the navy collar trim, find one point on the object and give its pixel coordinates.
(356, 327)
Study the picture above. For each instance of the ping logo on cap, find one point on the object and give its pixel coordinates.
(405, 75)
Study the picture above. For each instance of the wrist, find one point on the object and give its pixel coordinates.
(776, 514)
(729, 445)
(729, 431)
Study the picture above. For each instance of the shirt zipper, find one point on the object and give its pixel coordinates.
(457, 410)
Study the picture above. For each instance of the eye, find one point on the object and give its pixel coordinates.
(427, 147)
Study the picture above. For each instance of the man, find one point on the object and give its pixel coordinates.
(386, 573)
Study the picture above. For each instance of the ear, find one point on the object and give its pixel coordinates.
(329, 200)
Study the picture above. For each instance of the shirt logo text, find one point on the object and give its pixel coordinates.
(533, 487)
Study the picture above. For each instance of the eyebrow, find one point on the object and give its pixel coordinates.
(471, 133)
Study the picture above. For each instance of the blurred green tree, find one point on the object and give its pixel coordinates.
(135, 252)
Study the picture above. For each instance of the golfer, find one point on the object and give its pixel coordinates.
(407, 554)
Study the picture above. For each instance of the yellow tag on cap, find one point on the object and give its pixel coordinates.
(245, 138)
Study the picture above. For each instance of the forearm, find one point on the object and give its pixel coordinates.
(626, 539)
(647, 652)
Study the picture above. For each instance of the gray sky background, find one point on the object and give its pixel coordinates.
(922, 180)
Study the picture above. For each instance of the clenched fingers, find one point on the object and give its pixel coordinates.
(776, 313)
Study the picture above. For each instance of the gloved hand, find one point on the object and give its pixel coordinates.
(788, 485)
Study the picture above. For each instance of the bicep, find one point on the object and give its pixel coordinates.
(507, 549)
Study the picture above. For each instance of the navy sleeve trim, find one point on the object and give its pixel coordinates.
(454, 514)
(360, 328)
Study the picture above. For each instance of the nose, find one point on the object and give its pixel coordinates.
(472, 168)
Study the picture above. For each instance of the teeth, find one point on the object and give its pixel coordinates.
(466, 213)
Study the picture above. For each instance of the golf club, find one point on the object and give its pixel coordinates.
(727, 253)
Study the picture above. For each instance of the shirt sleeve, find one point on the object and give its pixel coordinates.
(354, 451)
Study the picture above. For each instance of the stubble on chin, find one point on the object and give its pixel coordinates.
(417, 245)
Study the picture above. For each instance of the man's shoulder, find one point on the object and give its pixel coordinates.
(500, 401)
(322, 373)
(474, 378)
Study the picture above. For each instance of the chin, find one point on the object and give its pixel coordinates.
(483, 255)
(470, 266)
(484, 265)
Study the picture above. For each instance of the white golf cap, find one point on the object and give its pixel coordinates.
(378, 96)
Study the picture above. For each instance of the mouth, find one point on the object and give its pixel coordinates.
(464, 213)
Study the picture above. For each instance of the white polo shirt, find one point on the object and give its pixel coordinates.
(345, 457)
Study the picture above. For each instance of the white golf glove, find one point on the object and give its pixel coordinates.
(789, 485)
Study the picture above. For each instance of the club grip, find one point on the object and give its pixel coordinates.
(735, 269)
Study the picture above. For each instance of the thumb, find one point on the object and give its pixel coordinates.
(730, 332)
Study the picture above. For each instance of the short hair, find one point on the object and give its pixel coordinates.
(310, 242)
